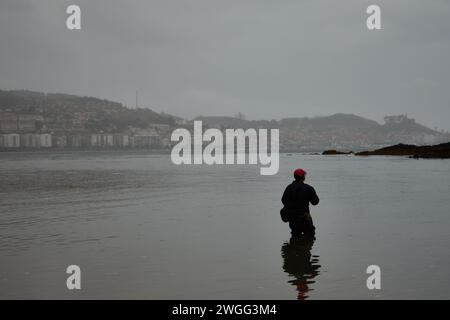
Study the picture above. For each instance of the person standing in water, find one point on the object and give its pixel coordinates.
(296, 199)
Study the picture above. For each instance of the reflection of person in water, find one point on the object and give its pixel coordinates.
(299, 264)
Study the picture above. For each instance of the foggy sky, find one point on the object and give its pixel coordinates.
(267, 59)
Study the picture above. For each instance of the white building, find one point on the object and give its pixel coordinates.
(109, 140)
(121, 141)
(29, 140)
(36, 140)
(45, 140)
(95, 139)
(145, 141)
(102, 140)
(126, 141)
(11, 140)
(59, 141)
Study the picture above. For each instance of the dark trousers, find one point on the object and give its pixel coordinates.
(302, 224)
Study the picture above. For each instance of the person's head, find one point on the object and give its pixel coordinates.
(299, 174)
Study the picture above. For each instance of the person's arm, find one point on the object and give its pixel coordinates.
(314, 198)
(285, 199)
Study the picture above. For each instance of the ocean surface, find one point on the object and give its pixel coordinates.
(140, 227)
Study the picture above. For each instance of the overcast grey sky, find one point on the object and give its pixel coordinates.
(267, 59)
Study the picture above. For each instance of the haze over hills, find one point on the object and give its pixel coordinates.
(393, 123)
(340, 131)
(69, 114)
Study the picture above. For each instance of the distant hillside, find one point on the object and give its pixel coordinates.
(70, 112)
(230, 122)
(338, 131)
(337, 120)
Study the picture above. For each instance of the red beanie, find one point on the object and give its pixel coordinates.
(299, 173)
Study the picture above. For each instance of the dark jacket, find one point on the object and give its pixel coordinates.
(298, 195)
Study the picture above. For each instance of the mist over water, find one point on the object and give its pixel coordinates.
(141, 227)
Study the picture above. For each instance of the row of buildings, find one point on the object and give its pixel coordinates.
(47, 140)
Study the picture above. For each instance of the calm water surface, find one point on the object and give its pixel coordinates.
(141, 227)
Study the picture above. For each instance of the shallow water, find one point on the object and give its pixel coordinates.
(141, 227)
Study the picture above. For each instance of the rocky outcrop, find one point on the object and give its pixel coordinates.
(440, 151)
(335, 152)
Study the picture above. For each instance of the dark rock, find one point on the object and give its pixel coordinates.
(335, 152)
(440, 151)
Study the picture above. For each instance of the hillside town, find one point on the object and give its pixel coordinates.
(38, 121)
(30, 120)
